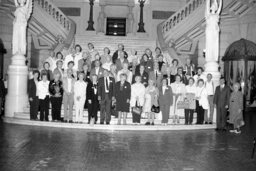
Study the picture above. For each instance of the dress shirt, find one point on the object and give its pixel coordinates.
(43, 89)
(106, 89)
(80, 89)
(164, 88)
(36, 82)
(69, 84)
(97, 70)
(191, 89)
(209, 88)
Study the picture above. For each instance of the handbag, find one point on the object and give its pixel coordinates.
(155, 109)
(137, 110)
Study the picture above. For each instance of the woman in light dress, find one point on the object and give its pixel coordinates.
(190, 90)
(236, 109)
(137, 97)
(151, 98)
(178, 89)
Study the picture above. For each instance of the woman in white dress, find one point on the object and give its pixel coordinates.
(151, 98)
(178, 89)
(126, 71)
(137, 97)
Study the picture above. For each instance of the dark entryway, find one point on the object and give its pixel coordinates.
(116, 26)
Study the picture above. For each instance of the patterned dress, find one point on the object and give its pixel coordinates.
(236, 103)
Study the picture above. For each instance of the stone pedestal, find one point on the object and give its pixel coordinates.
(213, 68)
(16, 98)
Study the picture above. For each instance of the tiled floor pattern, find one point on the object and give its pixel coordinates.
(62, 149)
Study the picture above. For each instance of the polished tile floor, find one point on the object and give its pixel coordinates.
(41, 148)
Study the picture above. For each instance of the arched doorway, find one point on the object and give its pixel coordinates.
(240, 66)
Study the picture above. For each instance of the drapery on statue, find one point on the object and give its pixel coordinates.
(212, 13)
(22, 14)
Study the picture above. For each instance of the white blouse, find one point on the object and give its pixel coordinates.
(137, 92)
(43, 89)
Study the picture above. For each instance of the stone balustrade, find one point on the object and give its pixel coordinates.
(55, 13)
(180, 15)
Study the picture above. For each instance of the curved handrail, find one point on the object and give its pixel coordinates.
(68, 25)
(180, 15)
(55, 13)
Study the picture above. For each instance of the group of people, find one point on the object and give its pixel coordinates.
(122, 83)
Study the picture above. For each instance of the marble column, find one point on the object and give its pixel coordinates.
(16, 98)
(212, 34)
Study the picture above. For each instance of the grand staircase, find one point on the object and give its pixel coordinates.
(180, 33)
(49, 26)
(102, 41)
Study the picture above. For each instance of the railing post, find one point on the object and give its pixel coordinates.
(141, 23)
(90, 22)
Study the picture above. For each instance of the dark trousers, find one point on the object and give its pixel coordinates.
(44, 108)
(93, 110)
(200, 113)
(56, 107)
(221, 117)
(165, 113)
(105, 109)
(189, 114)
(34, 104)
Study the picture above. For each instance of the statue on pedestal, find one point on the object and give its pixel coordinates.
(130, 23)
(22, 14)
(212, 13)
(101, 20)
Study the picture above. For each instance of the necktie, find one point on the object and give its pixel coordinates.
(156, 75)
(106, 84)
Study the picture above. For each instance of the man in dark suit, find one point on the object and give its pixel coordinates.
(32, 94)
(105, 96)
(116, 54)
(92, 98)
(221, 100)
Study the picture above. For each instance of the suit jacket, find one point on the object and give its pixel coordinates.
(119, 64)
(31, 89)
(101, 88)
(65, 85)
(221, 97)
(115, 56)
(2, 89)
(167, 97)
(90, 94)
(149, 65)
(125, 94)
(100, 73)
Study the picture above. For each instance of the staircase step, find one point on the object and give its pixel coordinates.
(114, 120)
(112, 127)
(101, 41)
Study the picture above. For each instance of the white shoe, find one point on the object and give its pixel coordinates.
(237, 132)
(232, 131)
